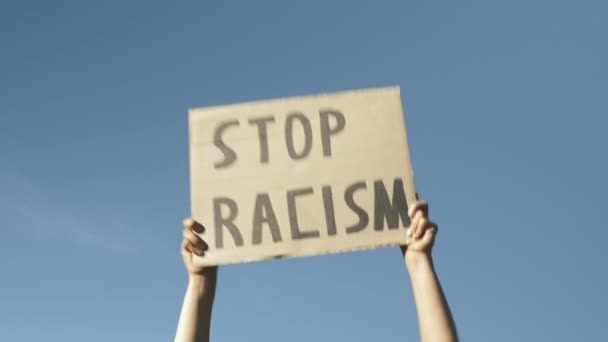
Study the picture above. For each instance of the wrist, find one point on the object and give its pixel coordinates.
(202, 284)
(414, 261)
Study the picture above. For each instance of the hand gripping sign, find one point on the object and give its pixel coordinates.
(300, 176)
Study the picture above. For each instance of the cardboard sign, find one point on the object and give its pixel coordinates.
(300, 176)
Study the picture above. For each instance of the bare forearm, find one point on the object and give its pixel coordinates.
(195, 318)
(435, 320)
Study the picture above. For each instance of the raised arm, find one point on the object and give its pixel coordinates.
(195, 318)
(434, 317)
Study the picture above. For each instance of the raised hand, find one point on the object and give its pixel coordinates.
(193, 244)
(195, 318)
(434, 316)
(422, 231)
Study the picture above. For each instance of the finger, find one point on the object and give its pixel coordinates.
(423, 224)
(419, 206)
(189, 247)
(195, 239)
(192, 224)
(415, 224)
(429, 234)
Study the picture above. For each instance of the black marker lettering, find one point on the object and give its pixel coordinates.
(227, 222)
(384, 209)
(229, 154)
(289, 135)
(328, 204)
(327, 131)
(296, 233)
(350, 201)
(263, 213)
(263, 135)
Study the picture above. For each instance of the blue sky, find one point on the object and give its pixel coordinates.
(506, 109)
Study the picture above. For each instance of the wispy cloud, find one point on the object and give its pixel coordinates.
(49, 218)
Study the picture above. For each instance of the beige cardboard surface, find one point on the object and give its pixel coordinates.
(300, 176)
